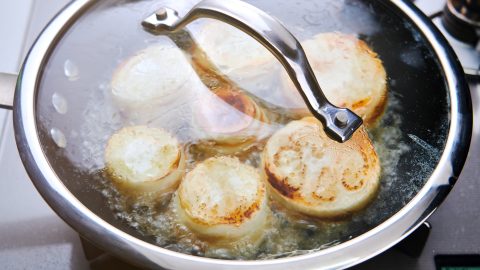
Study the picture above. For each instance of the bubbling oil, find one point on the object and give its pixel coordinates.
(286, 234)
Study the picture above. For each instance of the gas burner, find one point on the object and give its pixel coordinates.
(462, 20)
(459, 21)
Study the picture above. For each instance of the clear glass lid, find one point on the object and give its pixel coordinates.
(128, 119)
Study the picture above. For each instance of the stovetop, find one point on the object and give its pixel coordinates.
(33, 237)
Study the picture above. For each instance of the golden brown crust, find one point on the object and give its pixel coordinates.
(312, 174)
(349, 72)
(378, 109)
(281, 185)
(123, 171)
(222, 199)
(210, 173)
(237, 100)
(228, 122)
(215, 117)
(236, 217)
(376, 114)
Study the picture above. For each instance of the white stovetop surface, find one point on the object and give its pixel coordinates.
(32, 236)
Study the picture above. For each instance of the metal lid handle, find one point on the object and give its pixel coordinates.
(7, 90)
(339, 123)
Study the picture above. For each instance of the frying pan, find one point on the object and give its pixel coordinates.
(62, 115)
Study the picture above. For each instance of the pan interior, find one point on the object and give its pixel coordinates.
(76, 116)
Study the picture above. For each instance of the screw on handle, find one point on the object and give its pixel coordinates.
(339, 124)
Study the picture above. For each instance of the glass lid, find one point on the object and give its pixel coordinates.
(198, 141)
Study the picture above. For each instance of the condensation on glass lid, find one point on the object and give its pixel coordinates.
(58, 137)
(71, 70)
(59, 103)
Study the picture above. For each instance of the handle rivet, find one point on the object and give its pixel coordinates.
(341, 119)
(161, 14)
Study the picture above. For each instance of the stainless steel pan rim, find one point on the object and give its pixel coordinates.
(343, 255)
